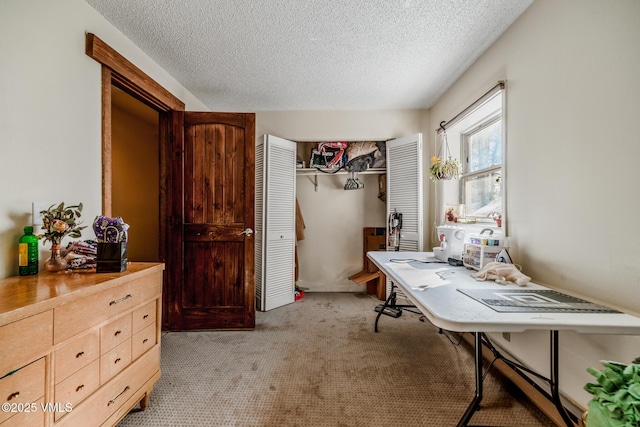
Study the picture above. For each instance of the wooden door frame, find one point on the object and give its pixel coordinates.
(118, 72)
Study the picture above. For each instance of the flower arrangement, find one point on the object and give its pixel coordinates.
(444, 169)
(497, 217)
(61, 221)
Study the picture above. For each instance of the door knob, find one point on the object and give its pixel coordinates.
(246, 231)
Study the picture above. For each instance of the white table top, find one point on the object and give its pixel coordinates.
(433, 288)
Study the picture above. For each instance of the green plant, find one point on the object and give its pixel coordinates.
(444, 169)
(616, 395)
(60, 221)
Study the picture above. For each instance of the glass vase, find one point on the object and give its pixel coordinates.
(56, 261)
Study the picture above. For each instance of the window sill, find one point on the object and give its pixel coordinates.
(479, 226)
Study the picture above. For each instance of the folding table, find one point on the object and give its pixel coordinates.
(453, 300)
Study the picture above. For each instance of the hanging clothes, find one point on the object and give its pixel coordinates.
(300, 226)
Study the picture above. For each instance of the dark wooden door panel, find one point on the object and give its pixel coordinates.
(214, 174)
(214, 282)
(215, 287)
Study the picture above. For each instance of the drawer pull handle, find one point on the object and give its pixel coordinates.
(116, 301)
(145, 316)
(117, 333)
(79, 355)
(144, 341)
(80, 387)
(14, 395)
(117, 360)
(112, 401)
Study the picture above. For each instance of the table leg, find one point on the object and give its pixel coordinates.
(391, 300)
(555, 390)
(475, 403)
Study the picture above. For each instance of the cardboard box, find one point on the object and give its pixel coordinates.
(375, 239)
(382, 187)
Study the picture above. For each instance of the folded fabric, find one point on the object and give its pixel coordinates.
(502, 273)
(81, 255)
(80, 262)
(87, 247)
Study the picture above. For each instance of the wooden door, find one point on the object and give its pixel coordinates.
(211, 244)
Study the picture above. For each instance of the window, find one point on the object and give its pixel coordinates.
(481, 178)
(476, 137)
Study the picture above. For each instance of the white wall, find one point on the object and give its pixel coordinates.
(573, 100)
(332, 248)
(572, 69)
(50, 111)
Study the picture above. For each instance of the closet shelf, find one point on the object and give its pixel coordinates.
(313, 171)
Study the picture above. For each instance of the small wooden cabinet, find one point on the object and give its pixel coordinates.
(79, 349)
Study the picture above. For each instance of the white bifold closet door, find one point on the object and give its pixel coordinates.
(404, 189)
(275, 222)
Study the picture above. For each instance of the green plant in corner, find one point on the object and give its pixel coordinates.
(616, 395)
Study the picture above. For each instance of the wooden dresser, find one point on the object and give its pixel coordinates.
(80, 348)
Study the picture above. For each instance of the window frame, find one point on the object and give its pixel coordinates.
(489, 107)
(465, 135)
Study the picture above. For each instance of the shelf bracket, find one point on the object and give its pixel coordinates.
(315, 181)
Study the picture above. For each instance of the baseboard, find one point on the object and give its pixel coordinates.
(351, 287)
(530, 391)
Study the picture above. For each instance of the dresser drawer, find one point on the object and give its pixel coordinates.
(115, 333)
(110, 397)
(34, 418)
(26, 385)
(143, 341)
(80, 315)
(78, 386)
(144, 316)
(25, 340)
(114, 361)
(76, 355)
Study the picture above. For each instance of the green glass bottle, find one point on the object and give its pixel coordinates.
(28, 253)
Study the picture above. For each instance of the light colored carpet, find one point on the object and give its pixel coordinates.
(318, 362)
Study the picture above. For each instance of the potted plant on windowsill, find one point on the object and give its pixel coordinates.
(497, 217)
(449, 168)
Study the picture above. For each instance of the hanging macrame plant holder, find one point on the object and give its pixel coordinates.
(443, 165)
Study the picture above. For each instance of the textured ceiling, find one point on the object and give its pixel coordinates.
(257, 55)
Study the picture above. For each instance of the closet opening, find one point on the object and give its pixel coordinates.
(342, 220)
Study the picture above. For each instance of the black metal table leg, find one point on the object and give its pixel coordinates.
(475, 403)
(387, 303)
(555, 390)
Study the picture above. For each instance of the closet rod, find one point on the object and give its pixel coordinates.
(444, 125)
